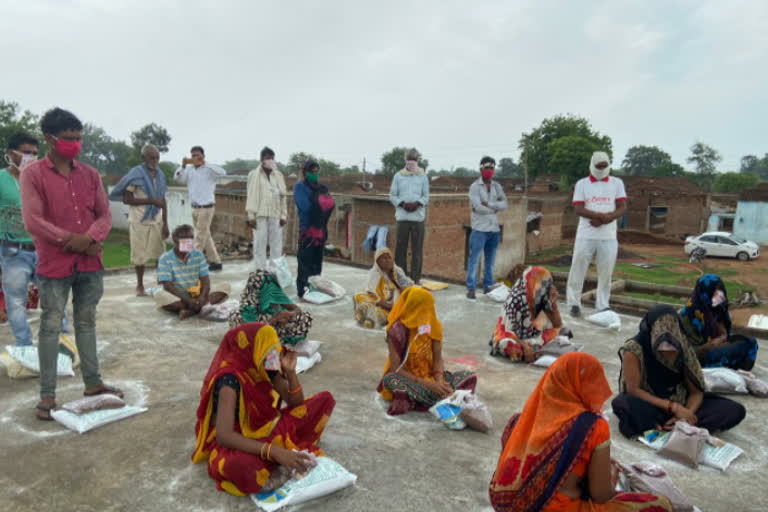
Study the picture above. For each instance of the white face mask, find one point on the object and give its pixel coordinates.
(25, 161)
(186, 244)
(598, 157)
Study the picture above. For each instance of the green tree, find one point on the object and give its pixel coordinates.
(751, 164)
(465, 172)
(13, 120)
(668, 169)
(537, 147)
(240, 164)
(394, 160)
(571, 156)
(105, 153)
(168, 169)
(507, 168)
(734, 182)
(151, 134)
(704, 158)
(642, 160)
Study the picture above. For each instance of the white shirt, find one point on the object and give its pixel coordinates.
(598, 196)
(484, 217)
(266, 195)
(201, 182)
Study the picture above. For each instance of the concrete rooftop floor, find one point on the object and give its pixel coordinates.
(405, 463)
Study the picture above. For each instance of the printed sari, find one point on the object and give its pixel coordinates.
(413, 326)
(523, 316)
(258, 414)
(263, 298)
(381, 287)
(702, 320)
(554, 436)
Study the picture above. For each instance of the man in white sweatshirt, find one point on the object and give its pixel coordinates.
(599, 199)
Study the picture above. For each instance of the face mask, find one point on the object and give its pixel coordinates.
(272, 361)
(598, 157)
(425, 329)
(186, 244)
(25, 160)
(68, 149)
(718, 298)
(411, 165)
(487, 173)
(313, 177)
(269, 164)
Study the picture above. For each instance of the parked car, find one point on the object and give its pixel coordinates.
(722, 244)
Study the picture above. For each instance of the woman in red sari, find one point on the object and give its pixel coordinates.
(241, 430)
(556, 454)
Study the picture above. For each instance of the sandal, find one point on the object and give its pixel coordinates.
(106, 390)
(45, 409)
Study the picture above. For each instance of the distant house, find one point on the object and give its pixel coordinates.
(751, 220)
(667, 205)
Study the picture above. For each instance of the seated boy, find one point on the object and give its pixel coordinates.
(183, 274)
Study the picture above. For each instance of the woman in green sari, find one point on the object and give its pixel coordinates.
(263, 300)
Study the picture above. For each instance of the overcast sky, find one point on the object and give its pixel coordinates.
(351, 79)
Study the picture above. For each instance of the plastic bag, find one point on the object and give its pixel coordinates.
(646, 477)
(757, 387)
(316, 297)
(609, 319)
(14, 368)
(685, 444)
(219, 312)
(724, 380)
(28, 358)
(327, 286)
(326, 478)
(499, 293)
(82, 423)
(561, 345)
(448, 410)
(94, 403)
(307, 348)
(305, 363)
(282, 272)
(476, 414)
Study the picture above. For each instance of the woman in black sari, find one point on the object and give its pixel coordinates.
(315, 206)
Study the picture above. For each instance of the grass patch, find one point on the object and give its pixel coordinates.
(656, 297)
(116, 249)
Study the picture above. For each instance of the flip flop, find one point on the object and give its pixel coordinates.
(106, 390)
(45, 409)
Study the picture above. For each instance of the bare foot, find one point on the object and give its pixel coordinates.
(103, 389)
(185, 313)
(140, 291)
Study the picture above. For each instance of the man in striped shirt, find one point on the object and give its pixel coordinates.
(183, 273)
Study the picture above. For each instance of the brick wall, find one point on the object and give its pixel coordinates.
(550, 232)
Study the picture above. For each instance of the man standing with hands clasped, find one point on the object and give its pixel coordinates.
(599, 199)
(200, 178)
(66, 211)
(267, 210)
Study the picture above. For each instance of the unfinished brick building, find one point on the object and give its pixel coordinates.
(363, 201)
(670, 205)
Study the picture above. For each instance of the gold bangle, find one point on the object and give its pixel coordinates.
(261, 451)
(269, 449)
(295, 391)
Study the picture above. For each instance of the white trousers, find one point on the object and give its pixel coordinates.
(583, 251)
(267, 233)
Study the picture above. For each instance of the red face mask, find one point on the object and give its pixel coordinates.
(487, 173)
(68, 149)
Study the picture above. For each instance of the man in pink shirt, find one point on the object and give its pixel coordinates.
(66, 211)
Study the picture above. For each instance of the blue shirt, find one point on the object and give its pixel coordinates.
(182, 274)
(409, 189)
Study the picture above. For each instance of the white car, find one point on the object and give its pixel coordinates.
(726, 245)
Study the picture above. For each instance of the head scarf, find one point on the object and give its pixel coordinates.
(528, 297)
(597, 157)
(568, 397)
(700, 312)
(412, 154)
(661, 328)
(242, 353)
(416, 308)
(382, 284)
(262, 295)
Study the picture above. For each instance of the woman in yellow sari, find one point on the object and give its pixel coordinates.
(242, 432)
(386, 281)
(414, 376)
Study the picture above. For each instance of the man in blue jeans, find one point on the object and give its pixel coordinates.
(486, 198)
(66, 211)
(18, 258)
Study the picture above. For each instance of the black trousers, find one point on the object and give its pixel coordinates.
(636, 415)
(310, 261)
(413, 231)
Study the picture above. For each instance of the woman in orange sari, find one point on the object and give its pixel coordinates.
(241, 430)
(556, 454)
(414, 376)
